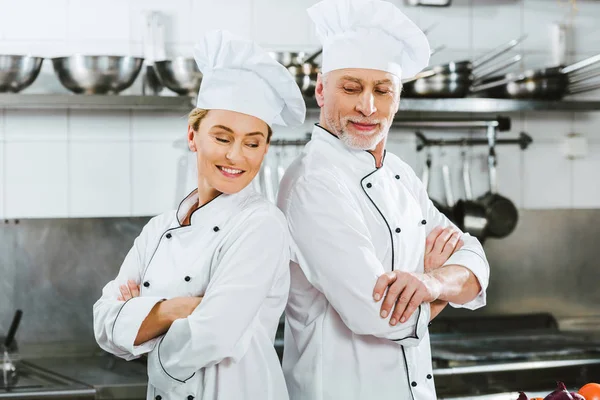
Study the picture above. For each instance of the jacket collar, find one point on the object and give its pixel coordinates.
(361, 160)
(221, 205)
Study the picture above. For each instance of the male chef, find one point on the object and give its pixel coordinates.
(361, 299)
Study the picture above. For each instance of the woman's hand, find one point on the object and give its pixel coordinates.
(129, 291)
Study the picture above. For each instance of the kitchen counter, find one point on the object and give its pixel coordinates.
(111, 377)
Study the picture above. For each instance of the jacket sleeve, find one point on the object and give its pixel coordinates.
(251, 262)
(470, 256)
(334, 250)
(117, 323)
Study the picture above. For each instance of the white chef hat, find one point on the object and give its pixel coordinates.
(238, 75)
(369, 34)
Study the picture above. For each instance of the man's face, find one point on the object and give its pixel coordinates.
(358, 105)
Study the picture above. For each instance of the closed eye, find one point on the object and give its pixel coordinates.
(222, 140)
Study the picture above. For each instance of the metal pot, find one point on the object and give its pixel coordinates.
(453, 80)
(305, 72)
(547, 83)
(9, 374)
(470, 215)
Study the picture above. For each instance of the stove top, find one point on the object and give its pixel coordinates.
(37, 383)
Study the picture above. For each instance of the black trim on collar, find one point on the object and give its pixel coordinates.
(366, 151)
(184, 199)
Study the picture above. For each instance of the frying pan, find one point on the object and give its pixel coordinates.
(454, 79)
(548, 83)
(501, 213)
(470, 215)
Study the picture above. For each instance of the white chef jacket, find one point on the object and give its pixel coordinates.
(350, 222)
(235, 253)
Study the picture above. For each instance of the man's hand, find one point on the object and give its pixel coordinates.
(439, 246)
(405, 290)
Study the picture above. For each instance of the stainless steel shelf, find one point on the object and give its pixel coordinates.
(95, 102)
(184, 103)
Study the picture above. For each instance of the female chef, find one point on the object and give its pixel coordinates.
(203, 287)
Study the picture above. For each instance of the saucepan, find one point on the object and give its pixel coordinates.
(305, 71)
(456, 78)
(548, 83)
(9, 375)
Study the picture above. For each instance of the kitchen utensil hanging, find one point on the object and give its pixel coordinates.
(470, 215)
(10, 372)
(502, 214)
(425, 178)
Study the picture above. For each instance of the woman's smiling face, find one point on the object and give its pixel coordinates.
(230, 148)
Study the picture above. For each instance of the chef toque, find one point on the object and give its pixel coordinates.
(238, 75)
(369, 34)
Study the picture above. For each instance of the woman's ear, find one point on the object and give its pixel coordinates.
(190, 137)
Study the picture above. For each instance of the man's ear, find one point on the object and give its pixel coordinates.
(319, 89)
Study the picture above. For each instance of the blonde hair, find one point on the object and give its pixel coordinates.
(197, 114)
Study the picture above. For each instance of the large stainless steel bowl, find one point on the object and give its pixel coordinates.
(97, 74)
(18, 72)
(180, 75)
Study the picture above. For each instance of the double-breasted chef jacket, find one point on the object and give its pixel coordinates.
(350, 222)
(235, 253)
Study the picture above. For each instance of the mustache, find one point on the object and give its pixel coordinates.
(362, 121)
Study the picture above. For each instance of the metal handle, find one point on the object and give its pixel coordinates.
(491, 136)
(467, 177)
(497, 52)
(524, 140)
(10, 336)
(426, 172)
(499, 82)
(311, 58)
(447, 185)
(491, 71)
(582, 88)
(268, 181)
(578, 78)
(502, 123)
(581, 64)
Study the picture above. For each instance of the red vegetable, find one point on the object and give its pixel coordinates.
(561, 393)
(522, 396)
(577, 396)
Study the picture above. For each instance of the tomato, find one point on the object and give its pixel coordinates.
(591, 391)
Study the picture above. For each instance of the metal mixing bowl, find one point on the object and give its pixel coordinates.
(18, 72)
(180, 74)
(97, 74)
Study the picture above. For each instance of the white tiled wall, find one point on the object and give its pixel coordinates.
(114, 163)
